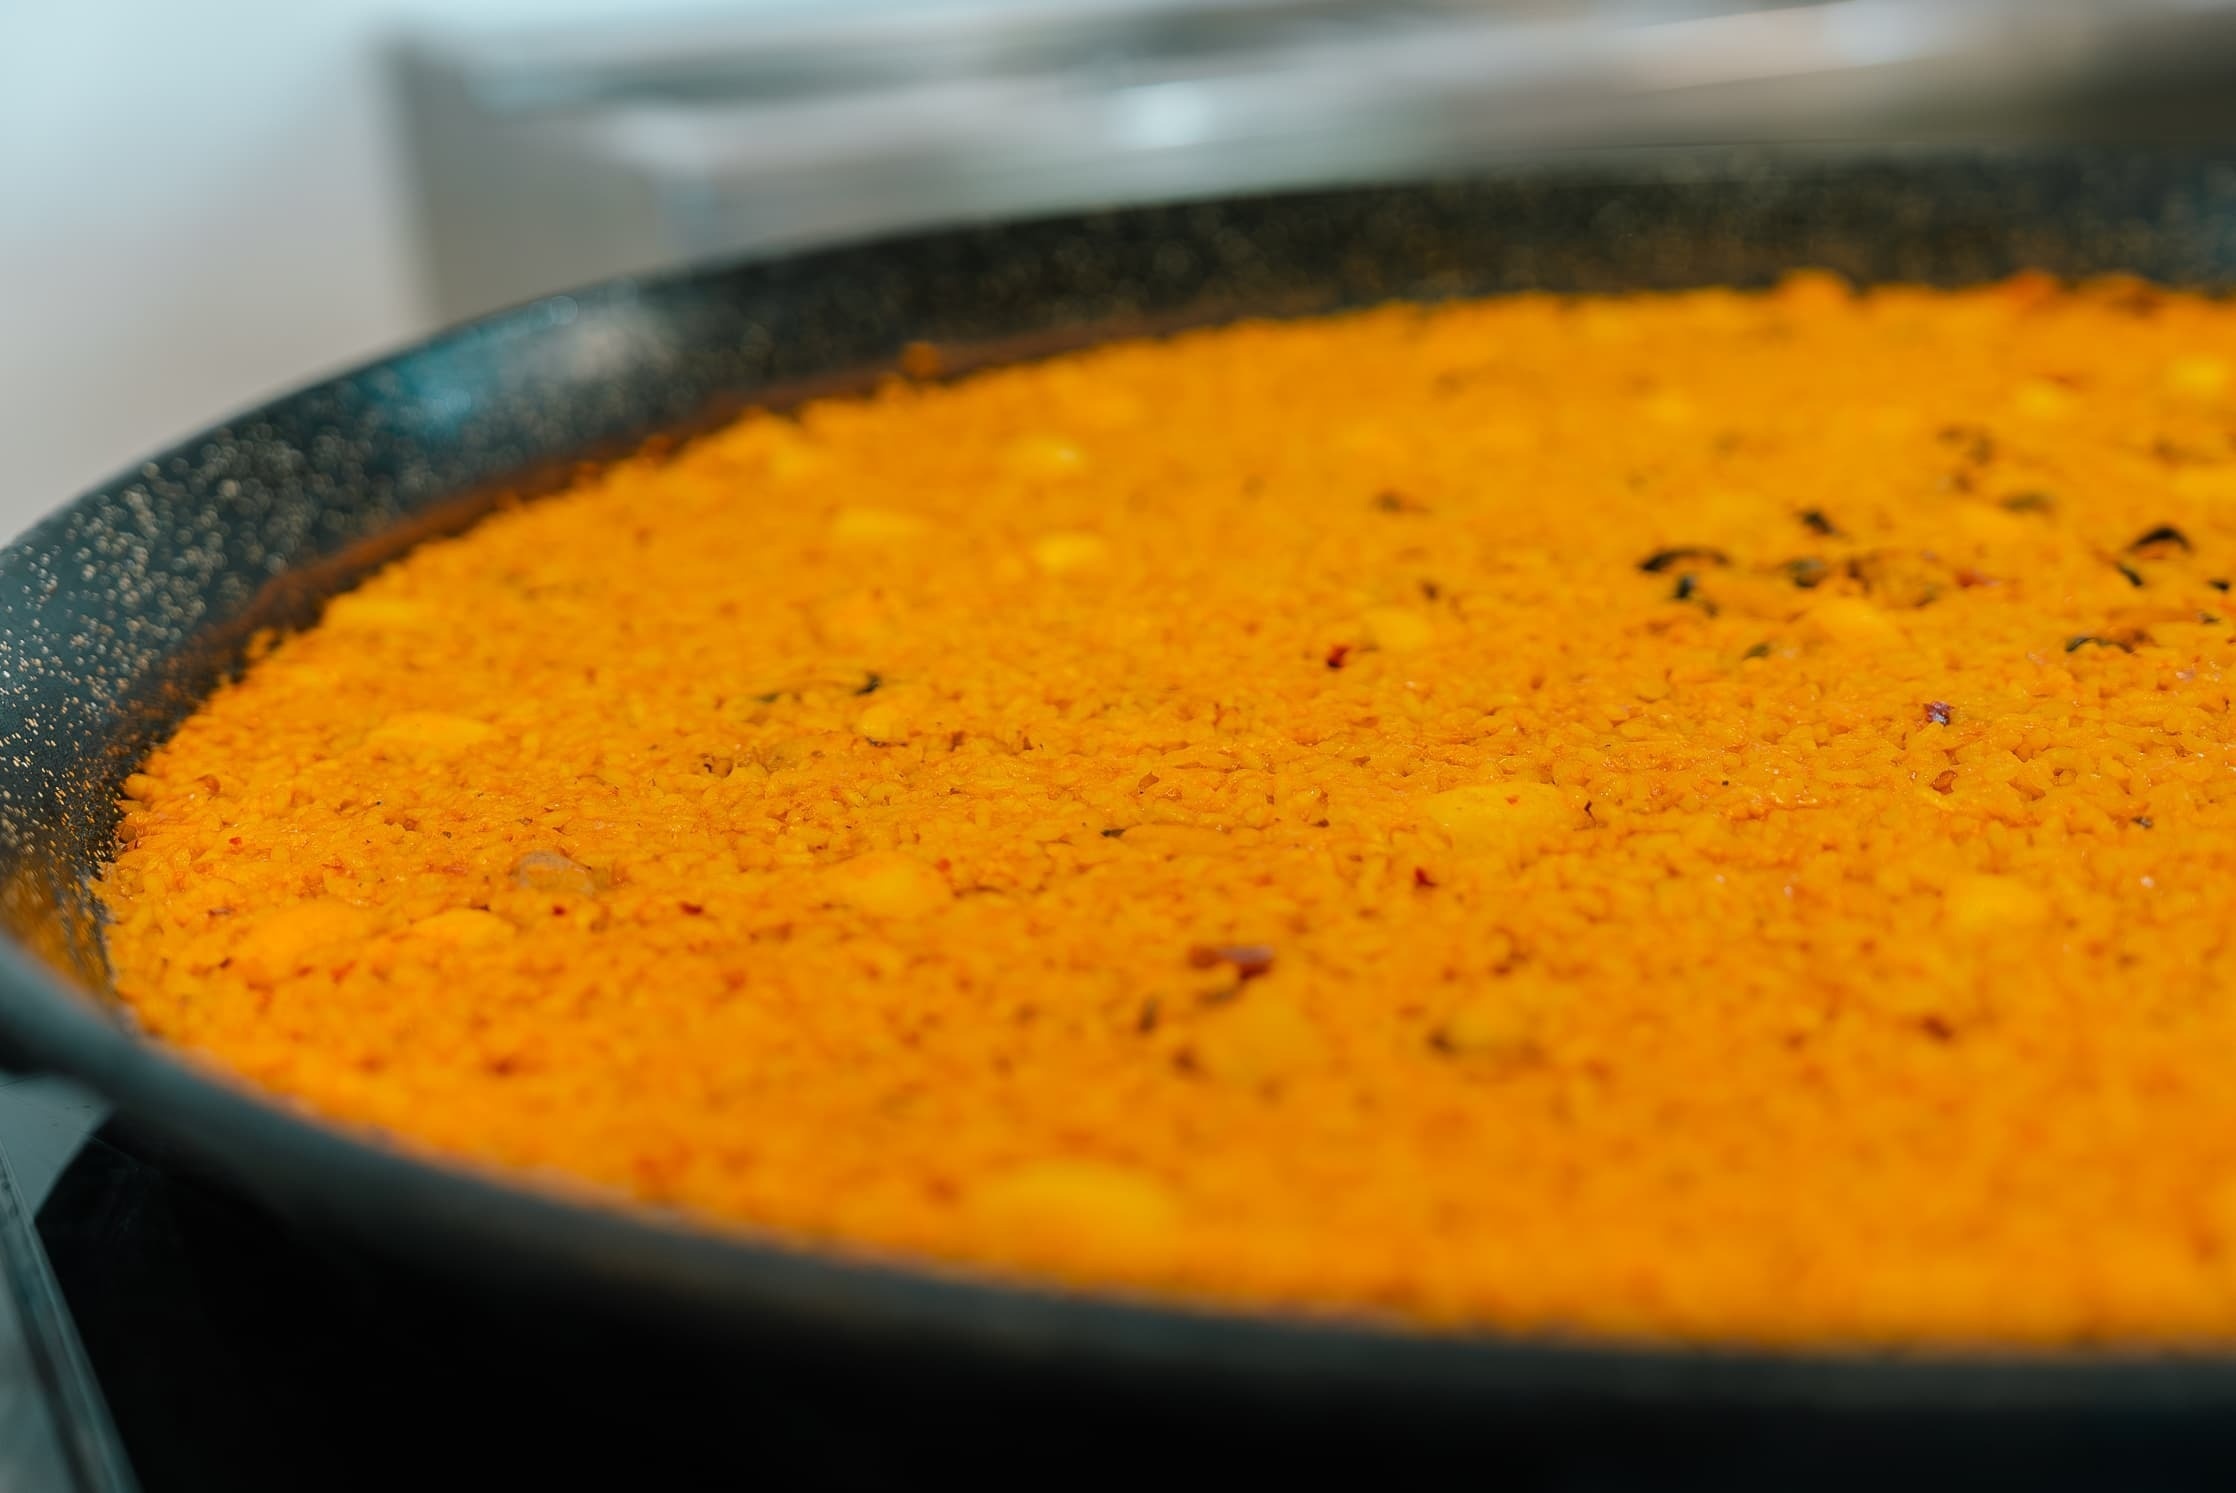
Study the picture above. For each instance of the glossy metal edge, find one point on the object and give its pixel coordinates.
(81, 1443)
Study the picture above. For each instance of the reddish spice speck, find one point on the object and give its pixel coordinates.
(1249, 959)
(1937, 712)
(690, 909)
(1338, 654)
(1421, 877)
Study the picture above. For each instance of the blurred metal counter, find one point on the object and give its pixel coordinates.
(547, 160)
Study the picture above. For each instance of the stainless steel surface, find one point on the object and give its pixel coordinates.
(43, 1121)
(548, 160)
(54, 1429)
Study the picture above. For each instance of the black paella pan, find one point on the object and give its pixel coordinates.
(121, 609)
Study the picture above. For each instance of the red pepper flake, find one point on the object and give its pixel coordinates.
(1250, 960)
(921, 360)
(1945, 783)
(691, 909)
(1338, 654)
(1421, 877)
(1937, 712)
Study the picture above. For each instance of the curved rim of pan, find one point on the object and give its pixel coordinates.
(702, 1280)
(483, 1226)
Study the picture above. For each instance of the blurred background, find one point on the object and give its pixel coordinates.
(204, 201)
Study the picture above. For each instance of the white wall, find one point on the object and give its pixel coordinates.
(199, 204)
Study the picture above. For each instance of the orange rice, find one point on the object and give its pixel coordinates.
(1705, 815)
